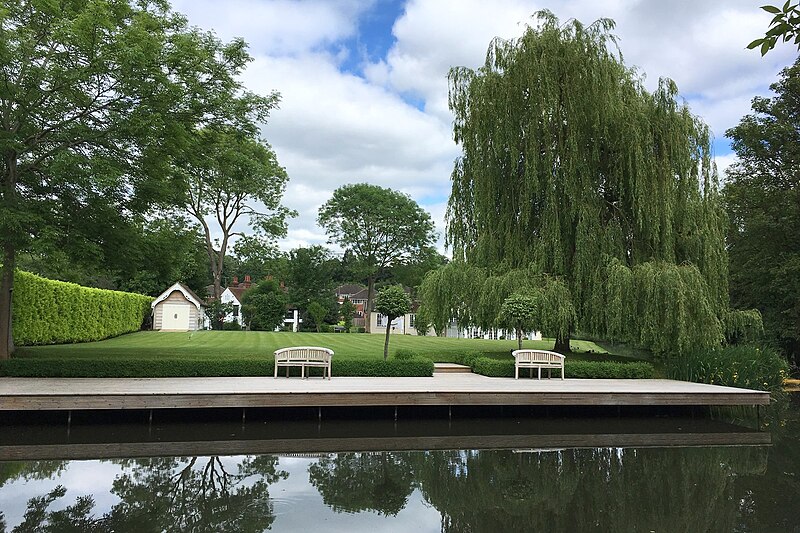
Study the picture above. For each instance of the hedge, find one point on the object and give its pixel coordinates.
(157, 368)
(745, 366)
(52, 312)
(573, 369)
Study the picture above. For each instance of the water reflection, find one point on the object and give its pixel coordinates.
(602, 488)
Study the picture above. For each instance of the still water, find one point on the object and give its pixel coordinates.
(671, 475)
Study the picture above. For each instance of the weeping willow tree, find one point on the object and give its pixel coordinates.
(575, 177)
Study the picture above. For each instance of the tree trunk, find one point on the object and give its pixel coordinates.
(368, 310)
(6, 299)
(519, 338)
(386, 342)
(562, 343)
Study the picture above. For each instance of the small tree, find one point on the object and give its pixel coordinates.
(347, 311)
(264, 306)
(393, 302)
(520, 312)
(318, 313)
(216, 311)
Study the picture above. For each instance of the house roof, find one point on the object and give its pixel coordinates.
(349, 289)
(237, 292)
(187, 292)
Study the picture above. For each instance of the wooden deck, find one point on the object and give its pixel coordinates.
(444, 389)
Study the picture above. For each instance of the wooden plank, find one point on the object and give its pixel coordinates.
(448, 389)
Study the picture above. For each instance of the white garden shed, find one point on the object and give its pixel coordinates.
(178, 309)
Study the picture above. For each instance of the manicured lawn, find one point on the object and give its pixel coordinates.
(249, 345)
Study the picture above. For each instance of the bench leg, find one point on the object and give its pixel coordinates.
(540, 372)
(302, 371)
(548, 374)
(516, 372)
(276, 370)
(562, 371)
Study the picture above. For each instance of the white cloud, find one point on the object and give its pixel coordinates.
(392, 127)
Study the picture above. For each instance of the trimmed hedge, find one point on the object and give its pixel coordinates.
(53, 312)
(157, 368)
(573, 369)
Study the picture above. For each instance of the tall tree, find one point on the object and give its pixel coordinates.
(762, 196)
(310, 276)
(96, 98)
(230, 176)
(381, 228)
(571, 168)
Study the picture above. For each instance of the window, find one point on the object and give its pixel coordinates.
(412, 320)
(235, 310)
(381, 320)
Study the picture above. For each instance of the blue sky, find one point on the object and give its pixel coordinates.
(364, 89)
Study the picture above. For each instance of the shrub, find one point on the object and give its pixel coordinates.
(404, 354)
(746, 366)
(573, 369)
(51, 312)
(73, 368)
(231, 326)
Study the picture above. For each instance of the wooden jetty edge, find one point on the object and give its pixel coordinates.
(23, 394)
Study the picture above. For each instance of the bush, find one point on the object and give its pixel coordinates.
(231, 326)
(573, 369)
(404, 354)
(749, 367)
(52, 312)
(96, 368)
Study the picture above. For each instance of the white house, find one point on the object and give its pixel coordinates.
(233, 295)
(178, 309)
(403, 325)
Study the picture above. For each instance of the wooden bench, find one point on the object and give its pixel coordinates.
(304, 357)
(538, 359)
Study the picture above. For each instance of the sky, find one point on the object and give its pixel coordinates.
(363, 83)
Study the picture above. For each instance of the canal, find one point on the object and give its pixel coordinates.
(679, 473)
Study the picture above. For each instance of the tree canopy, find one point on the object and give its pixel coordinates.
(762, 197)
(572, 172)
(96, 101)
(379, 226)
(264, 305)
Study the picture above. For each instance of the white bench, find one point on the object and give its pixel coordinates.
(538, 359)
(304, 357)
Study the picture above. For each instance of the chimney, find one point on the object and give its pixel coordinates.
(247, 281)
(235, 281)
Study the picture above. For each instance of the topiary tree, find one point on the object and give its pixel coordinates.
(520, 312)
(393, 302)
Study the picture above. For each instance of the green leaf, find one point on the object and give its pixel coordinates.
(755, 43)
(771, 9)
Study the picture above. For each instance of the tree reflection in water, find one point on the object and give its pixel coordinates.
(169, 494)
(586, 489)
(355, 482)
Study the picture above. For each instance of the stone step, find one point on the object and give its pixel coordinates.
(450, 368)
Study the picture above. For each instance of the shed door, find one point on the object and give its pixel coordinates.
(175, 316)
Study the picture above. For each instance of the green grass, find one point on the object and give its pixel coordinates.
(253, 345)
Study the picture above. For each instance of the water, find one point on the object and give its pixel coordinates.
(571, 475)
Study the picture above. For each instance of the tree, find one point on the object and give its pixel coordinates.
(785, 25)
(520, 311)
(216, 311)
(318, 312)
(379, 226)
(762, 197)
(228, 173)
(310, 275)
(393, 302)
(96, 100)
(347, 311)
(571, 169)
(264, 306)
